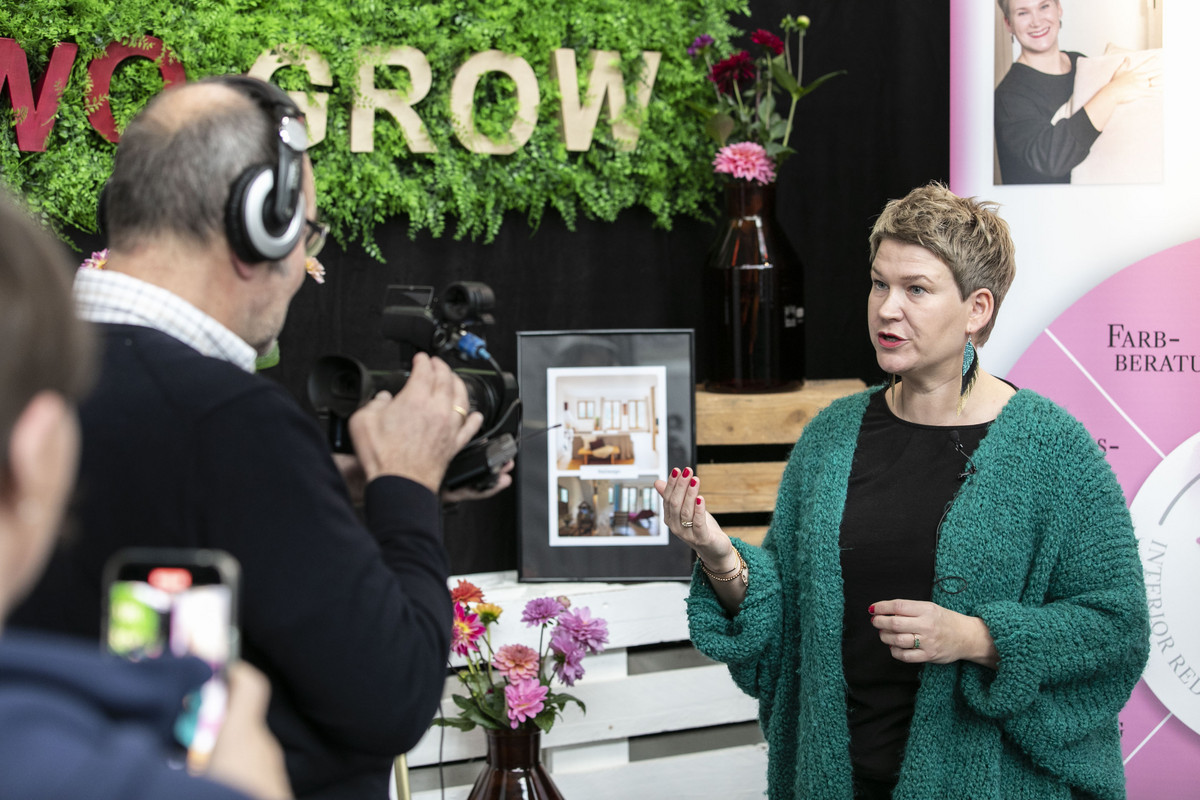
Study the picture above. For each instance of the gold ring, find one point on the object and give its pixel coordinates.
(916, 642)
(461, 410)
(686, 524)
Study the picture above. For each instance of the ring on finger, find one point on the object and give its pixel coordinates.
(686, 523)
(916, 642)
(461, 410)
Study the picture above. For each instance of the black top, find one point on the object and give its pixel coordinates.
(903, 479)
(1029, 148)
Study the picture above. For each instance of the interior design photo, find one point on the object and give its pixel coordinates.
(627, 509)
(610, 416)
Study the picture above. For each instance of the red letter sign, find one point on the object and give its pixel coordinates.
(34, 119)
(101, 71)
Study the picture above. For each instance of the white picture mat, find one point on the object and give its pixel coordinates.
(623, 384)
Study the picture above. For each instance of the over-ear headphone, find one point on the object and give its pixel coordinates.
(264, 216)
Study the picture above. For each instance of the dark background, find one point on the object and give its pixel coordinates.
(865, 137)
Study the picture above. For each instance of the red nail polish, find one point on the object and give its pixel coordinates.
(693, 483)
(699, 500)
(686, 472)
(871, 610)
(675, 473)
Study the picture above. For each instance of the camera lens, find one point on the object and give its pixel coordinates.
(466, 299)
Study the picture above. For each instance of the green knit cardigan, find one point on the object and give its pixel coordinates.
(1043, 544)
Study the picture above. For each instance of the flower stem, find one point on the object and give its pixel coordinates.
(787, 132)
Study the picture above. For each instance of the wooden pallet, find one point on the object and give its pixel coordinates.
(726, 420)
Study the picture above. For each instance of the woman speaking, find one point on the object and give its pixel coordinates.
(949, 600)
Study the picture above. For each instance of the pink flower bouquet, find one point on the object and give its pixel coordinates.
(510, 686)
(747, 110)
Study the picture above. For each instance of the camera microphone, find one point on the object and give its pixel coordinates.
(958, 446)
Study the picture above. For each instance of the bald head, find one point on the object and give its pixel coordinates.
(174, 108)
(177, 160)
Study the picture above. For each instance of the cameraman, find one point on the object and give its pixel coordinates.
(210, 214)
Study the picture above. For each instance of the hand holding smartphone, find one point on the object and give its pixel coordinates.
(162, 602)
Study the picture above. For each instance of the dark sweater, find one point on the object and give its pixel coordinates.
(352, 627)
(76, 725)
(1029, 148)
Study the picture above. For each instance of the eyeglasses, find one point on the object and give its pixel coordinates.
(314, 237)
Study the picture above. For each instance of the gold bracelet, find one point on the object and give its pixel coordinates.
(738, 572)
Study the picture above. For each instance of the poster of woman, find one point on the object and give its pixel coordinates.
(1080, 102)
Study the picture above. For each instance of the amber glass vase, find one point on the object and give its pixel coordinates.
(753, 297)
(514, 768)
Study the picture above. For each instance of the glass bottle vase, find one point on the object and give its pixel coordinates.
(514, 768)
(753, 298)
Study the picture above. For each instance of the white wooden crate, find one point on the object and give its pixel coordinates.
(588, 755)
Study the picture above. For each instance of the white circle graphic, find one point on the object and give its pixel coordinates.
(1166, 516)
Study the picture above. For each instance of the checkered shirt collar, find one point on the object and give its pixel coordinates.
(113, 297)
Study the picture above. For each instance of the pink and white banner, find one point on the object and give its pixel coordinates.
(1104, 319)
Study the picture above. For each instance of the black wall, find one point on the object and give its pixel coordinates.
(863, 138)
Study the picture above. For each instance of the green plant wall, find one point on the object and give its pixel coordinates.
(450, 192)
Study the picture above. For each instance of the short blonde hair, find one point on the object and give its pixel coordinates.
(966, 234)
(1004, 6)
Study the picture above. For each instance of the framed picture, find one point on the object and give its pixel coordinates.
(606, 414)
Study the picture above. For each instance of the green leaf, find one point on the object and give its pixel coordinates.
(476, 682)
(817, 83)
(785, 79)
(719, 127)
(454, 722)
(545, 720)
(561, 700)
(477, 716)
(766, 107)
(268, 359)
(464, 703)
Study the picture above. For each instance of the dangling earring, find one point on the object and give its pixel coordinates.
(970, 371)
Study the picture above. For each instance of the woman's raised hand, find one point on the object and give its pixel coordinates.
(1135, 82)
(687, 517)
(1127, 84)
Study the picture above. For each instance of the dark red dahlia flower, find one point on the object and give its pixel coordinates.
(768, 40)
(727, 74)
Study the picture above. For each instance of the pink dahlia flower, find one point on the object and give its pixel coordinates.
(466, 630)
(591, 634)
(516, 662)
(96, 261)
(315, 269)
(568, 656)
(525, 700)
(540, 610)
(746, 160)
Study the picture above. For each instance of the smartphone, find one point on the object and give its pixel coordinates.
(169, 602)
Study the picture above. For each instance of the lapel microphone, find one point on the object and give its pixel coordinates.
(958, 446)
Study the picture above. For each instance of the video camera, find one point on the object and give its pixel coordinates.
(339, 385)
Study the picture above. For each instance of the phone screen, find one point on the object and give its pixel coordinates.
(178, 603)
